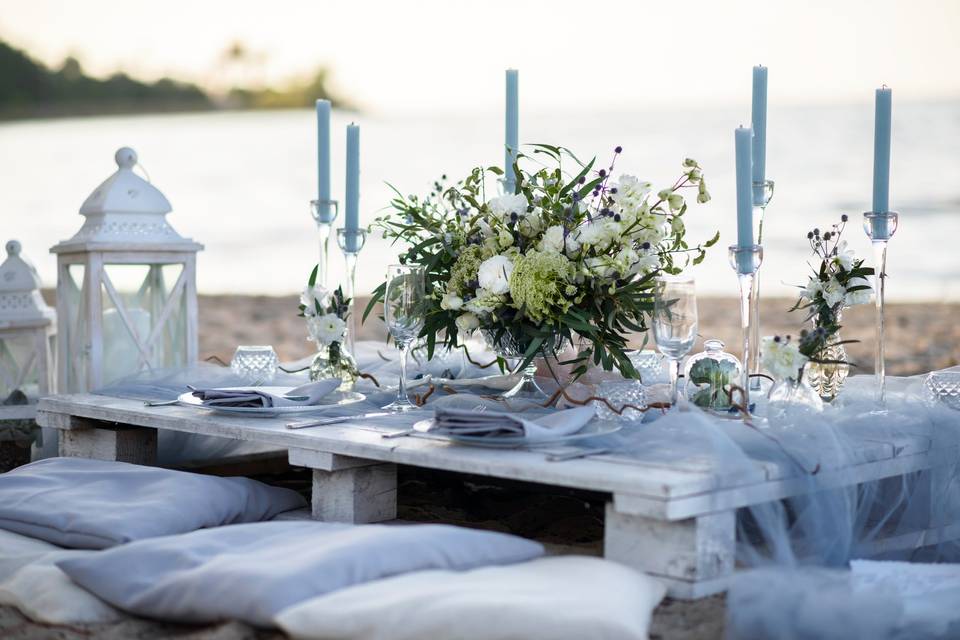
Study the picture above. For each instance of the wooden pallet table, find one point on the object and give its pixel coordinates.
(674, 518)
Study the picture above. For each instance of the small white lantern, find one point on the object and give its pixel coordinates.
(27, 327)
(126, 286)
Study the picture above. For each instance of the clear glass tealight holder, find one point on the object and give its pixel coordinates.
(255, 363)
(623, 395)
(649, 364)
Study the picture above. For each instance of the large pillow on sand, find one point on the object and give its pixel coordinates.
(547, 599)
(93, 504)
(251, 572)
(31, 582)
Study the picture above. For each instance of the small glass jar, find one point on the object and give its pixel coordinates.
(709, 376)
(623, 395)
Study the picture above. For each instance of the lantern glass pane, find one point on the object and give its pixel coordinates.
(73, 327)
(143, 319)
(18, 364)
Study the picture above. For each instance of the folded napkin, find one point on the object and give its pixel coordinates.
(494, 424)
(306, 395)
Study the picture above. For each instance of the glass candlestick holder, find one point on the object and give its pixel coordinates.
(351, 241)
(880, 227)
(762, 195)
(745, 262)
(324, 213)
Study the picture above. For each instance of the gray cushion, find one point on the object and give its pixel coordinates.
(93, 504)
(251, 572)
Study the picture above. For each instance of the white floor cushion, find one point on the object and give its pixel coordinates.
(31, 582)
(561, 598)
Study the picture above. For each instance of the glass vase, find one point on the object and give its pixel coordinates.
(709, 375)
(334, 361)
(828, 379)
(792, 397)
(510, 347)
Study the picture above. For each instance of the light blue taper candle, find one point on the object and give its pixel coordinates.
(743, 138)
(351, 221)
(758, 118)
(512, 130)
(881, 151)
(325, 212)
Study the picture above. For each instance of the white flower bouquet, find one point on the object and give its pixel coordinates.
(569, 256)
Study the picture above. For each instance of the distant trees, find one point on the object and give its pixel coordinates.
(28, 88)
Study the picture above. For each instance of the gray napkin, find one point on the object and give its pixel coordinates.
(493, 424)
(303, 396)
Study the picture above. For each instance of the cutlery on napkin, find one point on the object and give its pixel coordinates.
(305, 395)
(493, 424)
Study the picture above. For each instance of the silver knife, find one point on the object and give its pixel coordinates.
(325, 421)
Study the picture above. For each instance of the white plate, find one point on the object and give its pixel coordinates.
(591, 430)
(332, 399)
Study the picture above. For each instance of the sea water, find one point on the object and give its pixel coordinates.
(240, 182)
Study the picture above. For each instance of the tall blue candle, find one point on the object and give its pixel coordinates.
(743, 139)
(881, 151)
(326, 212)
(351, 222)
(758, 118)
(512, 130)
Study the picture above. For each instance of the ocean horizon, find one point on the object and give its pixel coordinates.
(240, 182)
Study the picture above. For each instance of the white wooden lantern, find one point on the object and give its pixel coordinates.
(126, 286)
(27, 327)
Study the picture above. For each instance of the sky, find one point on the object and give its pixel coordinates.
(448, 55)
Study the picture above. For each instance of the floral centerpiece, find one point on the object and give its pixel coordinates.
(570, 256)
(838, 282)
(326, 313)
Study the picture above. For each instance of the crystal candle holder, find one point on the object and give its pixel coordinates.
(880, 227)
(324, 213)
(762, 195)
(256, 364)
(621, 393)
(943, 387)
(649, 364)
(351, 242)
(746, 262)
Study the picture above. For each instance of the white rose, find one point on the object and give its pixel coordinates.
(311, 296)
(326, 329)
(451, 302)
(467, 323)
(861, 296)
(552, 241)
(494, 274)
(504, 205)
(833, 292)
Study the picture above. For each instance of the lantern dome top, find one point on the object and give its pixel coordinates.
(126, 212)
(20, 301)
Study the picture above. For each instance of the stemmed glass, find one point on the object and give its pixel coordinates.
(403, 313)
(675, 321)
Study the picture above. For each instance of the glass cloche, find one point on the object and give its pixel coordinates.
(709, 375)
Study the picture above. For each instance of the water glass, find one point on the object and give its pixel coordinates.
(621, 393)
(255, 363)
(675, 321)
(403, 311)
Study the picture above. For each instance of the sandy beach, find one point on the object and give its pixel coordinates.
(920, 337)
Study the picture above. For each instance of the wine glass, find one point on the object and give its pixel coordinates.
(675, 321)
(404, 314)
